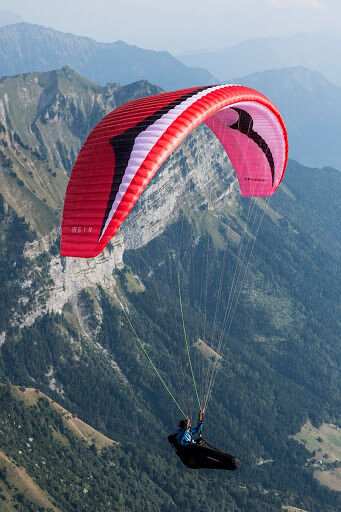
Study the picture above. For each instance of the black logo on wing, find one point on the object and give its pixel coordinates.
(245, 125)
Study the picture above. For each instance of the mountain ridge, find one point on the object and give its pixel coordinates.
(40, 138)
(315, 51)
(99, 62)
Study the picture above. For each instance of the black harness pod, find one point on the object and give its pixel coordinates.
(201, 455)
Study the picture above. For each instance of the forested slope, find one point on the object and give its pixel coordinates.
(63, 330)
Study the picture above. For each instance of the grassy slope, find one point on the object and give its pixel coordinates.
(325, 444)
(18, 482)
(80, 429)
(40, 468)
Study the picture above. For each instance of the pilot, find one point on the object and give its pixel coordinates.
(185, 432)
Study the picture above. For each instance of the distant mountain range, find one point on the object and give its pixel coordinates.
(320, 52)
(311, 108)
(310, 104)
(26, 48)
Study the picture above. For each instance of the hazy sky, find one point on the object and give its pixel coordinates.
(180, 25)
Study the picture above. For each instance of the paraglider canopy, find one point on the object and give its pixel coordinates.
(124, 151)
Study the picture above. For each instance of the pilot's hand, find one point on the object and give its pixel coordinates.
(201, 416)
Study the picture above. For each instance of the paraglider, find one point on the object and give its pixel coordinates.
(197, 453)
(124, 151)
(121, 156)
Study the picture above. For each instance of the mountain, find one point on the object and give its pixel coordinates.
(25, 48)
(45, 118)
(319, 52)
(311, 108)
(66, 324)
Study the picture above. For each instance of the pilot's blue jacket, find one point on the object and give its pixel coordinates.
(184, 436)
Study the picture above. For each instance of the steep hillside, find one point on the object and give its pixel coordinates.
(66, 330)
(25, 48)
(44, 119)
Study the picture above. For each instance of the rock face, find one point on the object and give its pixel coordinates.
(198, 173)
(189, 179)
(69, 276)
